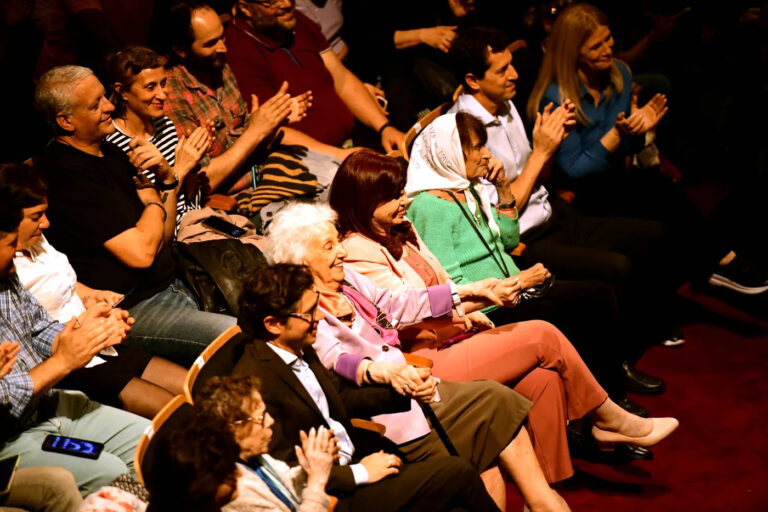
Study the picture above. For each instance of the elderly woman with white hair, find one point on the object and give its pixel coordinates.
(358, 339)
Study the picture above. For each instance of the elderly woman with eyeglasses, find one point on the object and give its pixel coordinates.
(358, 338)
(264, 483)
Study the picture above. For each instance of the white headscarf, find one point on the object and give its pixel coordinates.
(437, 163)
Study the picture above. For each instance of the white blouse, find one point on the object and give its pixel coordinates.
(50, 278)
(47, 274)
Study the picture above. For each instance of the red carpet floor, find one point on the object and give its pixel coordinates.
(717, 386)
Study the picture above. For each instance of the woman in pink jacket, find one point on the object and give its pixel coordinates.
(359, 339)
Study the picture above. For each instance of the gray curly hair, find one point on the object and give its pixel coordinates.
(291, 230)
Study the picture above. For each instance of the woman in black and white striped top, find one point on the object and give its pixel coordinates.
(137, 76)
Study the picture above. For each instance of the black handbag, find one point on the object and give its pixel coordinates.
(216, 271)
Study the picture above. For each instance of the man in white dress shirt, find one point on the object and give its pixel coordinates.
(622, 252)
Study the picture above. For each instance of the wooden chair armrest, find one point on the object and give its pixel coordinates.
(334, 502)
(518, 251)
(221, 202)
(414, 360)
(368, 425)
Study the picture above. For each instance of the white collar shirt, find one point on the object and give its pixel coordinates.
(309, 380)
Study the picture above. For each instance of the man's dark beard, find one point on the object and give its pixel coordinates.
(208, 70)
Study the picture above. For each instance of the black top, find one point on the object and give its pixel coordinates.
(92, 199)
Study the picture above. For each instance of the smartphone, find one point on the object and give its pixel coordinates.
(72, 446)
(7, 470)
(224, 227)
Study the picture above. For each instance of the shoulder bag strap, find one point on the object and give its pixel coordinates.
(499, 261)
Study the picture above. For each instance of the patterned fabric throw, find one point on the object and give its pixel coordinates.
(281, 176)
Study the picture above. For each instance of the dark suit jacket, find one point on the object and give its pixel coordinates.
(293, 409)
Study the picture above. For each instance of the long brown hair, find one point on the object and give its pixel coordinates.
(366, 180)
(572, 27)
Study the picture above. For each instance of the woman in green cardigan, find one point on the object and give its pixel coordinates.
(472, 239)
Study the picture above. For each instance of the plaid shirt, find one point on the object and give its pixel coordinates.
(23, 319)
(190, 102)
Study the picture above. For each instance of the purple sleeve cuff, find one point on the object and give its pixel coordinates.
(440, 301)
(346, 366)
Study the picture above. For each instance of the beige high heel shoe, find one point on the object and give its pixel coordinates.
(662, 427)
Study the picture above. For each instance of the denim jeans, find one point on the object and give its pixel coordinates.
(77, 416)
(170, 325)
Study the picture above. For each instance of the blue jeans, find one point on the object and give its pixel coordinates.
(77, 416)
(170, 325)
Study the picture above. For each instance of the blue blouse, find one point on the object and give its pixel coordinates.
(581, 153)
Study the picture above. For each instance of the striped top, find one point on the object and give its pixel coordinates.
(165, 139)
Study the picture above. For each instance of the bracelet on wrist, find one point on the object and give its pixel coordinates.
(155, 203)
(383, 127)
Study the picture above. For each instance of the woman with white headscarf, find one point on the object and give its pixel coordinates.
(472, 239)
(359, 339)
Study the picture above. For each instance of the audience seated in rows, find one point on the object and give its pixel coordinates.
(122, 376)
(472, 238)
(271, 43)
(137, 78)
(203, 89)
(111, 224)
(48, 351)
(360, 321)
(265, 483)
(623, 252)
(329, 340)
(367, 195)
(279, 312)
(579, 66)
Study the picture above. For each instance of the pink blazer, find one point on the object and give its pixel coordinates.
(375, 262)
(342, 348)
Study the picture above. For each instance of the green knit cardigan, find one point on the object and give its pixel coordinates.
(450, 237)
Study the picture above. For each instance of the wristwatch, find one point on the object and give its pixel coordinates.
(168, 186)
(456, 299)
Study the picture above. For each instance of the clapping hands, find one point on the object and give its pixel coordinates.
(553, 126)
(644, 119)
(317, 454)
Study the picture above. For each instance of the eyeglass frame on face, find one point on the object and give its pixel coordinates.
(249, 419)
(310, 315)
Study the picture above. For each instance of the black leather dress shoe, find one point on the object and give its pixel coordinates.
(636, 381)
(632, 452)
(633, 407)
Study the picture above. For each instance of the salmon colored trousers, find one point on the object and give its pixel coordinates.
(537, 361)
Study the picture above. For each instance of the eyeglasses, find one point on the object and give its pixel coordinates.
(309, 316)
(259, 420)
